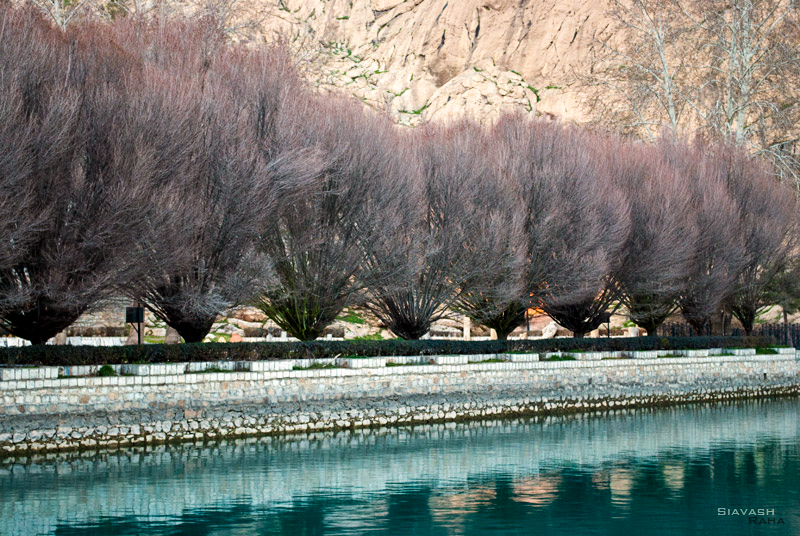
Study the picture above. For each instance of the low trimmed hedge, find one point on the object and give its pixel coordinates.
(262, 351)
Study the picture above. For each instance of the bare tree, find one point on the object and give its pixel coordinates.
(718, 255)
(493, 293)
(322, 227)
(25, 124)
(456, 246)
(204, 131)
(63, 12)
(767, 227)
(136, 8)
(784, 288)
(640, 72)
(69, 96)
(576, 221)
(662, 235)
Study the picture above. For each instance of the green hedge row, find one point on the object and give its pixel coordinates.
(161, 353)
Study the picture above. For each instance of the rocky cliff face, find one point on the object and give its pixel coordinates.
(439, 59)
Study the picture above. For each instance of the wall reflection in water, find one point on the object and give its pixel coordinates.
(650, 471)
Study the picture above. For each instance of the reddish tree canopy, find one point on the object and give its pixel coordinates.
(317, 236)
(576, 220)
(662, 235)
(77, 214)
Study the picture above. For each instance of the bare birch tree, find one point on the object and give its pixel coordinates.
(726, 69)
(640, 72)
(64, 12)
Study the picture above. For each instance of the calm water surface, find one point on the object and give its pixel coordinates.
(643, 472)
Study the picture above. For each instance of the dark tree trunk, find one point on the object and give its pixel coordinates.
(746, 314)
(650, 311)
(41, 322)
(506, 322)
(579, 318)
(192, 329)
(699, 325)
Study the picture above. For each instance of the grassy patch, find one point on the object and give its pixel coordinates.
(373, 337)
(534, 91)
(351, 318)
(418, 111)
(493, 360)
(559, 358)
(766, 351)
(209, 369)
(315, 366)
(393, 364)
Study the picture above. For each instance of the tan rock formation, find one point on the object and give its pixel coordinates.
(431, 59)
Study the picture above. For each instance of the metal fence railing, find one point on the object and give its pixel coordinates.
(675, 329)
(783, 334)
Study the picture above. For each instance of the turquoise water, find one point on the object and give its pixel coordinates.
(642, 472)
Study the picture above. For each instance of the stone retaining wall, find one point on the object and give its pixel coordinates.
(161, 403)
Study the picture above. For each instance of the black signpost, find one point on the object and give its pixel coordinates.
(606, 319)
(135, 315)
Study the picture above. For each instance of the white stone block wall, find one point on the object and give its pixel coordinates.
(273, 397)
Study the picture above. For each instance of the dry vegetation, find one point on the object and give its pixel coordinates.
(151, 157)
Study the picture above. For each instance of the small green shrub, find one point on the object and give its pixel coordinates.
(766, 351)
(106, 370)
(209, 369)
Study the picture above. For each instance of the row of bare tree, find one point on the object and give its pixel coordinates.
(155, 160)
